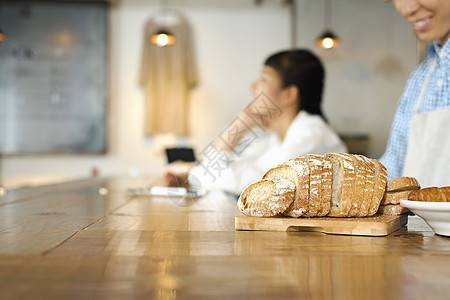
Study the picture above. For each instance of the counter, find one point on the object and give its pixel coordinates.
(89, 239)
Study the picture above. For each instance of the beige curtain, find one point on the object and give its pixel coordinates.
(167, 75)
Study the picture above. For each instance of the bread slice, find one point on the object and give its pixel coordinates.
(325, 192)
(343, 182)
(394, 197)
(267, 197)
(369, 166)
(379, 187)
(297, 171)
(360, 182)
(315, 163)
(336, 182)
(393, 210)
(402, 184)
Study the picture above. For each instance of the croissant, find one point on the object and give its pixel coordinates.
(431, 194)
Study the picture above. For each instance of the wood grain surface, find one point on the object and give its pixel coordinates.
(378, 225)
(88, 239)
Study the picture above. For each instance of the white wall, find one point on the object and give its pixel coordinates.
(232, 38)
(364, 77)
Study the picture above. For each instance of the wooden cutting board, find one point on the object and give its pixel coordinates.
(378, 225)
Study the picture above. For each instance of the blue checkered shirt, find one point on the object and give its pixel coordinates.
(437, 95)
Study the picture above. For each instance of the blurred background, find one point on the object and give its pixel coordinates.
(365, 76)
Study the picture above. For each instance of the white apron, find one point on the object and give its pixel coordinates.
(428, 153)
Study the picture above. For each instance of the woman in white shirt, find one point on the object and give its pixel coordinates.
(283, 121)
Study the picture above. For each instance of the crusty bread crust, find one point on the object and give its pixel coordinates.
(393, 210)
(348, 182)
(402, 184)
(379, 187)
(315, 164)
(301, 202)
(394, 197)
(267, 197)
(368, 187)
(431, 194)
(334, 185)
(360, 182)
(336, 181)
(325, 192)
(296, 170)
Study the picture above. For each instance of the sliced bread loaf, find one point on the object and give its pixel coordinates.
(297, 171)
(267, 197)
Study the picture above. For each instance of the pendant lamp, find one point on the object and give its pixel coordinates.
(2, 36)
(327, 39)
(163, 37)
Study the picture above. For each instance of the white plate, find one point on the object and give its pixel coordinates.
(435, 214)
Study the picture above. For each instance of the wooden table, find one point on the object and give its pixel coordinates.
(68, 241)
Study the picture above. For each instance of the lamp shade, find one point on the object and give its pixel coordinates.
(163, 38)
(2, 36)
(327, 40)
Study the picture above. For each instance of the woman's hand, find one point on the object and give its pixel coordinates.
(235, 131)
(176, 173)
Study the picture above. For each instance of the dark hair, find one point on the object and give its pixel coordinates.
(303, 69)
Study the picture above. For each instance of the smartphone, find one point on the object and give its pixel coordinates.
(168, 191)
(180, 153)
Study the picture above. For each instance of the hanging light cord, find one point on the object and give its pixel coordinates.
(327, 14)
(162, 37)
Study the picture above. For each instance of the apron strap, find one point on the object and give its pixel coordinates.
(425, 84)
